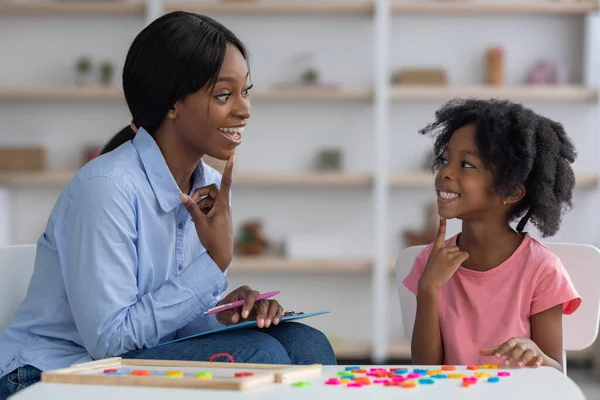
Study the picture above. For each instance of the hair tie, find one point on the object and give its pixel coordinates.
(133, 127)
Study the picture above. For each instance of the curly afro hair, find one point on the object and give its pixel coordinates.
(519, 147)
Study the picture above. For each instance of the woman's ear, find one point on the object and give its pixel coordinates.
(516, 197)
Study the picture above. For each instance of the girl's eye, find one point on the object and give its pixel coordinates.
(443, 161)
(467, 165)
(223, 97)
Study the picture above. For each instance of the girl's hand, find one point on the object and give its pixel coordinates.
(214, 228)
(442, 263)
(264, 312)
(522, 350)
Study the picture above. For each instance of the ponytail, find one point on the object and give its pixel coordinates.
(126, 134)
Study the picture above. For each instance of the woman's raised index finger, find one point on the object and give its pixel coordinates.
(227, 179)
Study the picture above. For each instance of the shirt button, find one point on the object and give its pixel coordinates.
(180, 268)
(215, 294)
(180, 226)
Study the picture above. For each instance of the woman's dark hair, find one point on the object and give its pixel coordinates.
(520, 147)
(177, 54)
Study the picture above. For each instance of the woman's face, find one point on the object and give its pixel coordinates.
(211, 121)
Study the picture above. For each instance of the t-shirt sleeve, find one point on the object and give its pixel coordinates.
(411, 282)
(554, 287)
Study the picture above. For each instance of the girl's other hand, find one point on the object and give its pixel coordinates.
(524, 352)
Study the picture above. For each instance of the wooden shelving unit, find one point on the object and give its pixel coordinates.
(584, 180)
(566, 93)
(400, 350)
(352, 350)
(323, 266)
(60, 92)
(275, 8)
(358, 350)
(498, 7)
(94, 92)
(312, 93)
(331, 180)
(290, 180)
(135, 8)
(418, 179)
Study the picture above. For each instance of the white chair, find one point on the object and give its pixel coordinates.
(582, 262)
(16, 269)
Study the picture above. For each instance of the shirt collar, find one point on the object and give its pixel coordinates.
(160, 177)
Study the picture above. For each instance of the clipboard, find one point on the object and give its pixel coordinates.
(246, 325)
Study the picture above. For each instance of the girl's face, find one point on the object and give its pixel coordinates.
(465, 189)
(211, 121)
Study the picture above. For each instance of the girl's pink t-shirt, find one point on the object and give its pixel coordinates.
(484, 309)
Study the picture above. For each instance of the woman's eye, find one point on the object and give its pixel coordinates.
(246, 92)
(223, 97)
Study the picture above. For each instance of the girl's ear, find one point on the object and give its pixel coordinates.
(516, 197)
(172, 114)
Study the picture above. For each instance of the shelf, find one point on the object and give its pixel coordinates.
(317, 179)
(358, 350)
(399, 350)
(566, 93)
(304, 93)
(94, 92)
(323, 266)
(419, 179)
(72, 8)
(584, 180)
(291, 180)
(352, 350)
(526, 7)
(64, 92)
(275, 8)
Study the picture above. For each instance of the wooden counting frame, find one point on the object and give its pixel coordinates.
(183, 374)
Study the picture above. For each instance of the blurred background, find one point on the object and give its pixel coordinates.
(332, 179)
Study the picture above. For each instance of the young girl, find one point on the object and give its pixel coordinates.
(138, 243)
(492, 293)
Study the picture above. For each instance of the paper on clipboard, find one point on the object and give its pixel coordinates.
(246, 325)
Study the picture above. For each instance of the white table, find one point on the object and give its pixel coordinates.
(545, 383)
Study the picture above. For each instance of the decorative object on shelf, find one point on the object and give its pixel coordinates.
(495, 66)
(420, 76)
(309, 74)
(329, 160)
(84, 70)
(427, 235)
(546, 72)
(106, 73)
(25, 158)
(251, 241)
(91, 152)
(215, 163)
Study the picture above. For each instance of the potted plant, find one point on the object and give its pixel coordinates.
(84, 69)
(106, 73)
(310, 76)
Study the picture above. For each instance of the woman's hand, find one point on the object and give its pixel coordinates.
(214, 227)
(264, 312)
(523, 351)
(442, 263)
